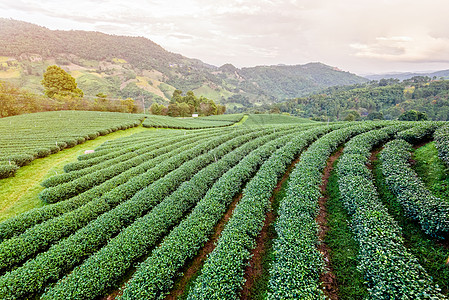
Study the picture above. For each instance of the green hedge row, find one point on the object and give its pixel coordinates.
(431, 212)
(48, 266)
(39, 237)
(154, 277)
(130, 182)
(142, 153)
(109, 265)
(419, 132)
(7, 169)
(441, 137)
(390, 270)
(222, 275)
(297, 264)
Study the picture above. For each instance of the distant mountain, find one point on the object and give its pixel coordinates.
(122, 66)
(407, 75)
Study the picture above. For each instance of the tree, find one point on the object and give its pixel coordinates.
(101, 102)
(128, 105)
(221, 109)
(58, 82)
(352, 115)
(185, 110)
(156, 108)
(375, 116)
(173, 110)
(413, 115)
(177, 97)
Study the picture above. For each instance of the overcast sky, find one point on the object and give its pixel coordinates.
(360, 36)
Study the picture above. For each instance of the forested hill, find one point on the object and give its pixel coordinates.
(122, 66)
(384, 99)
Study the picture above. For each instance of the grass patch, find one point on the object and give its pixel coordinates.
(344, 249)
(432, 170)
(431, 255)
(20, 193)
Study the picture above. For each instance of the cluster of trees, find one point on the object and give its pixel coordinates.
(186, 105)
(61, 93)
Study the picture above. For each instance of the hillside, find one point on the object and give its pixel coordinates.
(389, 97)
(122, 66)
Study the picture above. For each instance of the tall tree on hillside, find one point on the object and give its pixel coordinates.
(58, 82)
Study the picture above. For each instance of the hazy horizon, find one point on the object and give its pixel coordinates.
(362, 37)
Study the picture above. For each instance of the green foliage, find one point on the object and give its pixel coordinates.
(58, 82)
(441, 136)
(431, 212)
(375, 116)
(14, 101)
(413, 115)
(7, 169)
(419, 132)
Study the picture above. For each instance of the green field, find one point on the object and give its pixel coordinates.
(246, 207)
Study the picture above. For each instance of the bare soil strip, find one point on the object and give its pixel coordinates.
(192, 268)
(327, 278)
(255, 268)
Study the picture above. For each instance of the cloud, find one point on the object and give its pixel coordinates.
(359, 36)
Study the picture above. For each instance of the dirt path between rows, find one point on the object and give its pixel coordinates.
(255, 268)
(195, 265)
(327, 278)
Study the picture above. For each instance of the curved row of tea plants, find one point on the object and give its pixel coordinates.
(297, 263)
(418, 202)
(60, 258)
(419, 132)
(222, 275)
(39, 237)
(102, 270)
(390, 270)
(41, 134)
(441, 137)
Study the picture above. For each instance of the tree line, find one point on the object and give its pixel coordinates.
(186, 105)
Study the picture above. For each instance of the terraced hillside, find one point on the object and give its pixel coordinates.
(236, 212)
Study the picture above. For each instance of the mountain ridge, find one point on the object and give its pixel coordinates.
(124, 66)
